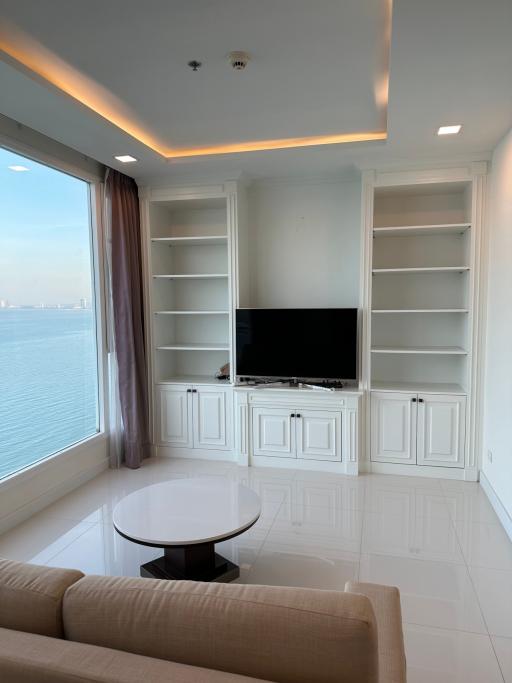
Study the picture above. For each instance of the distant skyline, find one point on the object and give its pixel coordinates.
(44, 234)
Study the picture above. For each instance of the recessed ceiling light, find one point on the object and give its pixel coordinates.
(15, 167)
(125, 158)
(449, 130)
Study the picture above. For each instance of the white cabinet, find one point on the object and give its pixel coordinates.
(273, 432)
(175, 417)
(212, 417)
(195, 417)
(441, 430)
(318, 434)
(296, 433)
(393, 427)
(423, 429)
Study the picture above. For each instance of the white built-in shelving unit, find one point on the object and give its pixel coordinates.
(420, 319)
(420, 276)
(188, 254)
(190, 236)
(209, 249)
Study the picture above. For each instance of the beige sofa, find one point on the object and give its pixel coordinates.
(57, 626)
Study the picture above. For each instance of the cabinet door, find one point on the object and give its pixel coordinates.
(273, 432)
(212, 418)
(175, 416)
(441, 430)
(318, 435)
(393, 427)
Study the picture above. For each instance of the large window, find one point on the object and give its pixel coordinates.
(48, 355)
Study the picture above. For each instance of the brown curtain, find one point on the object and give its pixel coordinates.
(128, 313)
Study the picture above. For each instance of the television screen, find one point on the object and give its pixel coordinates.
(307, 343)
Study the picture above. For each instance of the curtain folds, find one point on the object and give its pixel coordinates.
(127, 360)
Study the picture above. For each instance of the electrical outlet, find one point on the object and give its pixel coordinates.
(489, 455)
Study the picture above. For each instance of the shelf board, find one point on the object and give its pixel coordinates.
(418, 387)
(433, 269)
(414, 230)
(195, 276)
(194, 379)
(421, 350)
(191, 241)
(420, 310)
(191, 312)
(205, 346)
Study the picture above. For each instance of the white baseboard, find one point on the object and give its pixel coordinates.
(194, 453)
(414, 470)
(496, 503)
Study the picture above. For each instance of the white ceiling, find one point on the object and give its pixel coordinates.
(314, 70)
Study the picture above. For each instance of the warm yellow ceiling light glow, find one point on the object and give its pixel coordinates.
(449, 130)
(40, 63)
(285, 143)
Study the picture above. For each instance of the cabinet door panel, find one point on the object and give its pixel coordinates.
(175, 417)
(319, 435)
(212, 418)
(273, 432)
(441, 430)
(393, 427)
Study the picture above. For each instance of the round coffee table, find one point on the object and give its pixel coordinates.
(187, 517)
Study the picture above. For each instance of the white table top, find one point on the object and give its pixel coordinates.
(187, 511)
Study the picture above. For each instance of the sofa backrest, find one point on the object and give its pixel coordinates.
(31, 597)
(287, 635)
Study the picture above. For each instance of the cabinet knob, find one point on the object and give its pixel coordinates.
(413, 400)
(293, 415)
(298, 415)
(420, 400)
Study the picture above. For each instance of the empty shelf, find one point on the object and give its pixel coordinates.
(193, 379)
(418, 387)
(439, 350)
(420, 310)
(205, 346)
(195, 276)
(191, 312)
(433, 269)
(191, 241)
(405, 230)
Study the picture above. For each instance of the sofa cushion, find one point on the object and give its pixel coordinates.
(287, 635)
(386, 605)
(29, 658)
(31, 597)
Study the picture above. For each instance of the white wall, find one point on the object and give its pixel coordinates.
(304, 243)
(498, 376)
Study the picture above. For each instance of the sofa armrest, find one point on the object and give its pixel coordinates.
(286, 635)
(385, 601)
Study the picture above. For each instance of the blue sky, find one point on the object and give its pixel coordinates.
(44, 234)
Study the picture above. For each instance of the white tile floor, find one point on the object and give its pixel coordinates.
(439, 541)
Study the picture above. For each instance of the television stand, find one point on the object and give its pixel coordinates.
(298, 425)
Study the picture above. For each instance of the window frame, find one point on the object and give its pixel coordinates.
(97, 251)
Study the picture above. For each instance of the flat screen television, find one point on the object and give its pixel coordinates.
(303, 343)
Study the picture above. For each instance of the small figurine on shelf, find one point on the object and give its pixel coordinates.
(223, 373)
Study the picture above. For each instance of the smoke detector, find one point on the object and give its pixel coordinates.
(238, 60)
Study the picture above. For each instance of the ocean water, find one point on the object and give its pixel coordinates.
(48, 383)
